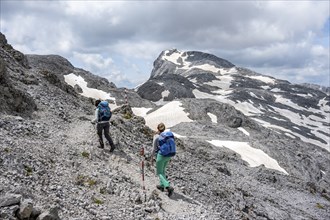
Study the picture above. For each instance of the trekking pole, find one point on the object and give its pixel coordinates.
(126, 99)
(142, 172)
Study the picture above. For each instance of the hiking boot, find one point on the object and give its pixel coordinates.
(101, 146)
(113, 147)
(161, 188)
(170, 191)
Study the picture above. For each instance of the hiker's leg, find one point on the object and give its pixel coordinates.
(107, 134)
(160, 165)
(167, 159)
(165, 166)
(99, 133)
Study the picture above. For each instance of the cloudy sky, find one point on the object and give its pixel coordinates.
(119, 40)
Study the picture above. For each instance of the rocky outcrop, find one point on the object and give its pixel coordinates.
(166, 87)
(13, 100)
(14, 206)
(15, 54)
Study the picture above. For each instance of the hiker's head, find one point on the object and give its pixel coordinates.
(161, 127)
(97, 102)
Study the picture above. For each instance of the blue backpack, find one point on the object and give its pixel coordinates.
(167, 146)
(104, 111)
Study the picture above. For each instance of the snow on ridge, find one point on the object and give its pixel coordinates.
(290, 135)
(73, 79)
(170, 114)
(312, 122)
(255, 157)
(264, 79)
(213, 117)
(304, 95)
(303, 138)
(322, 103)
(245, 107)
(178, 135)
(278, 119)
(288, 102)
(174, 59)
(244, 131)
(208, 67)
(222, 82)
(165, 93)
(255, 96)
(185, 65)
(140, 111)
(276, 90)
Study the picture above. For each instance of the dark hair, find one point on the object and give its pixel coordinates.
(161, 127)
(97, 102)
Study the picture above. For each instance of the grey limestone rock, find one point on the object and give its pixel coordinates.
(10, 199)
(25, 209)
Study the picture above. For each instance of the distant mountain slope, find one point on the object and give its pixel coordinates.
(317, 87)
(294, 110)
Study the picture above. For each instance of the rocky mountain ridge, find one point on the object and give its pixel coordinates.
(51, 168)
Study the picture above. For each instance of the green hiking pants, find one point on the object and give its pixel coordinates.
(161, 163)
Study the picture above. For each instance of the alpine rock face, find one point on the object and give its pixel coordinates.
(249, 146)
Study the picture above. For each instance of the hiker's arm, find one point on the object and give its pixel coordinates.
(155, 146)
(96, 115)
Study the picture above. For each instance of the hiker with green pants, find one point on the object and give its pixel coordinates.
(164, 147)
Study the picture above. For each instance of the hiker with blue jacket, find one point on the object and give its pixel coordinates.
(102, 118)
(164, 147)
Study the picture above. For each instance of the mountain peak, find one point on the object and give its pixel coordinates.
(181, 63)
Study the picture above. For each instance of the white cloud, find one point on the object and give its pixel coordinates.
(94, 61)
(283, 37)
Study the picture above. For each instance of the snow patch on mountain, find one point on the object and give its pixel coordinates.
(246, 108)
(175, 57)
(264, 79)
(165, 93)
(265, 87)
(304, 95)
(140, 111)
(180, 60)
(244, 131)
(313, 122)
(303, 138)
(72, 79)
(288, 102)
(213, 117)
(276, 90)
(170, 114)
(322, 103)
(254, 157)
(223, 82)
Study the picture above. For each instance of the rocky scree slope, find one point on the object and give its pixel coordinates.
(50, 165)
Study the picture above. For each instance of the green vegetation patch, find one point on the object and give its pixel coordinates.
(320, 206)
(85, 154)
(98, 201)
(28, 170)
